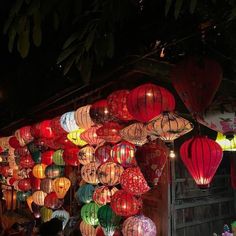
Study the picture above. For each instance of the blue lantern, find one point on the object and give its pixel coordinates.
(85, 193)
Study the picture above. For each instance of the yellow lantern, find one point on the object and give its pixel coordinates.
(10, 198)
(86, 155)
(29, 201)
(74, 137)
(61, 186)
(89, 173)
(46, 214)
(38, 197)
(82, 117)
(228, 143)
(39, 171)
(86, 229)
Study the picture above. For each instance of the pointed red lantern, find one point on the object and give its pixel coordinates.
(148, 100)
(46, 157)
(196, 82)
(202, 157)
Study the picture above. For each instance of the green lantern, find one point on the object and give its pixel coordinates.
(108, 220)
(89, 213)
(54, 171)
(22, 196)
(46, 214)
(58, 157)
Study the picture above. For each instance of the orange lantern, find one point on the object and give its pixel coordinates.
(103, 194)
(90, 136)
(39, 171)
(89, 173)
(10, 197)
(61, 186)
(82, 117)
(38, 197)
(86, 155)
(87, 229)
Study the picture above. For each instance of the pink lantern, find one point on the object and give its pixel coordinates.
(103, 194)
(90, 136)
(103, 153)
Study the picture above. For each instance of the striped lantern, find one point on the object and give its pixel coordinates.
(109, 173)
(46, 185)
(52, 201)
(103, 194)
(58, 157)
(82, 117)
(90, 136)
(39, 171)
(86, 155)
(85, 193)
(87, 229)
(74, 137)
(89, 173)
(68, 122)
(46, 214)
(61, 185)
(89, 213)
(38, 197)
(54, 171)
(103, 153)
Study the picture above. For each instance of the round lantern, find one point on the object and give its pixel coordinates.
(85, 193)
(117, 105)
(47, 157)
(86, 229)
(62, 215)
(68, 121)
(35, 183)
(109, 173)
(70, 156)
(74, 137)
(109, 132)
(23, 135)
(86, 155)
(42, 130)
(64, 142)
(133, 181)
(103, 153)
(108, 220)
(38, 197)
(46, 185)
(227, 143)
(90, 136)
(125, 204)
(10, 197)
(151, 158)
(135, 134)
(99, 112)
(56, 127)
(89, 213)
(22, 196)
(52, 201)
(169, 126)
(46, 214)
(29, 201)
(148, 100)
(24, 184)
(39, 171)
(54, 171)
(198, 153)
(61, 186)
(83, 118)
(13, 142)
(89, 173)
(196, 82)
(123, 153)
(138, 226)
(58, 158)
(103, 194)
(26, 162)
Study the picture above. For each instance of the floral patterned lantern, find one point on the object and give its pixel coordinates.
(109, 132)
(10, 198)
(89, 173)
(52, 201)
(135, 134)
(125, 204)
(196, 82)
(24, 184)
(138, 226)
(61, 185)
(23, 135)
(82, 117)
(38, 197)
(46, 185)
(103, 194)
(42, 130)
(58, 158)
(103, 153)
(117, 105)
(85, 193)
(70, 156)
(148, 100)
(123, 153)
(74, 137)
(46, 214)
(68, 122)
(133, 181)
(199, 152)
(90, 136)
(26, 162)
(227, 143)
(87, 229)
(54, 171)
(86, 155)
(62, 215)
(47, 157)
(109, 173)
(89, 213)
(151, 158)
(39, 171)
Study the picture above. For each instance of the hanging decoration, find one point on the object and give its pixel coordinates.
(35, 183)
(87, 229)
(23, 135)
(202, 157)
(103, 194)
(90, 136)
(196, 81)
(82, 117)
(70, 156)
(52, 201)
(58, 158)
(22, 196)
(26, 162)
(89, 213)
(54, 171)
(38, 197)
(74, 137)
(46, 214)
(56, 127)
(62, 215)
(85, 193)
(86, 155)
(89, 173)
(103, 153)
(42, 130)
(39, 171)
(13, 142)
(60, 186)
(46, 185)
(68, 122)
(227, 143)
(24, 184)
(47, 157)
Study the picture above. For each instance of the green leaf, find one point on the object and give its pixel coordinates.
(167, 6)
(16, 7)
(70, 40)
(178, 6)
(69, 62)
(192, 6)
(66, 53)
(56, 20)
(11, 38)
(23, 44)
(33, 7)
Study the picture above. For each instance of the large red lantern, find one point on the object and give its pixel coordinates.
(52, 201)
(24, 184)
(26, 162)
(70, 156)
(202, 157)
(148, 100)
(90, 136)
(56, 127)
(47, 157)
(82, 117)
(117, 105)
(23, 135)
(13, 142)
(42, 130)
(196, 82)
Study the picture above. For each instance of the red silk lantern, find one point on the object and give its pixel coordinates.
(99, 112)
(90, 136)
(196, 82)
(47, 157)
(21, 151)
(35, 183)
(24, 184)
(13, 142)
(70, 156)
(56, 127)
(151, 158)
(133, 181)
(23, 135)
(109, 132)
(52, 201)
(202, 157)
(103, 153)
(64, 142)
(148, 100)
(42, 130)
(125, 204)
(26, 162)
(103, 194)
(117, 105)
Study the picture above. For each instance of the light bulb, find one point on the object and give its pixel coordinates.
(172, 154)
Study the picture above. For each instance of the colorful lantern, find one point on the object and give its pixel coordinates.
(108, 220)
(42, 130)
(103, 194)
(82, 117)
(86, 229)
(89, 213)
(24, 184)
(61, 186)
(39, 171)
(85, 193)
(70, 156)
(198, 153)
(90, 136)
(68, 121)
(22, 196)
(169, 126)
(89, 173)
(46, 214)
(46, 185)
(117, 105)
(148, 100)
(103, 153)
(54, 171)
(138, 226)
(26, 162)
(125, 204)
(38, 197)
(74, 137)
(86, 155)
(52, 201)
(133, 181)
(123, 153)
(10, 198)
(227, 143)
(58, 158)
(151, 158)
(47, 157)
(62, 215)
(109, 173)
(196, 82)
